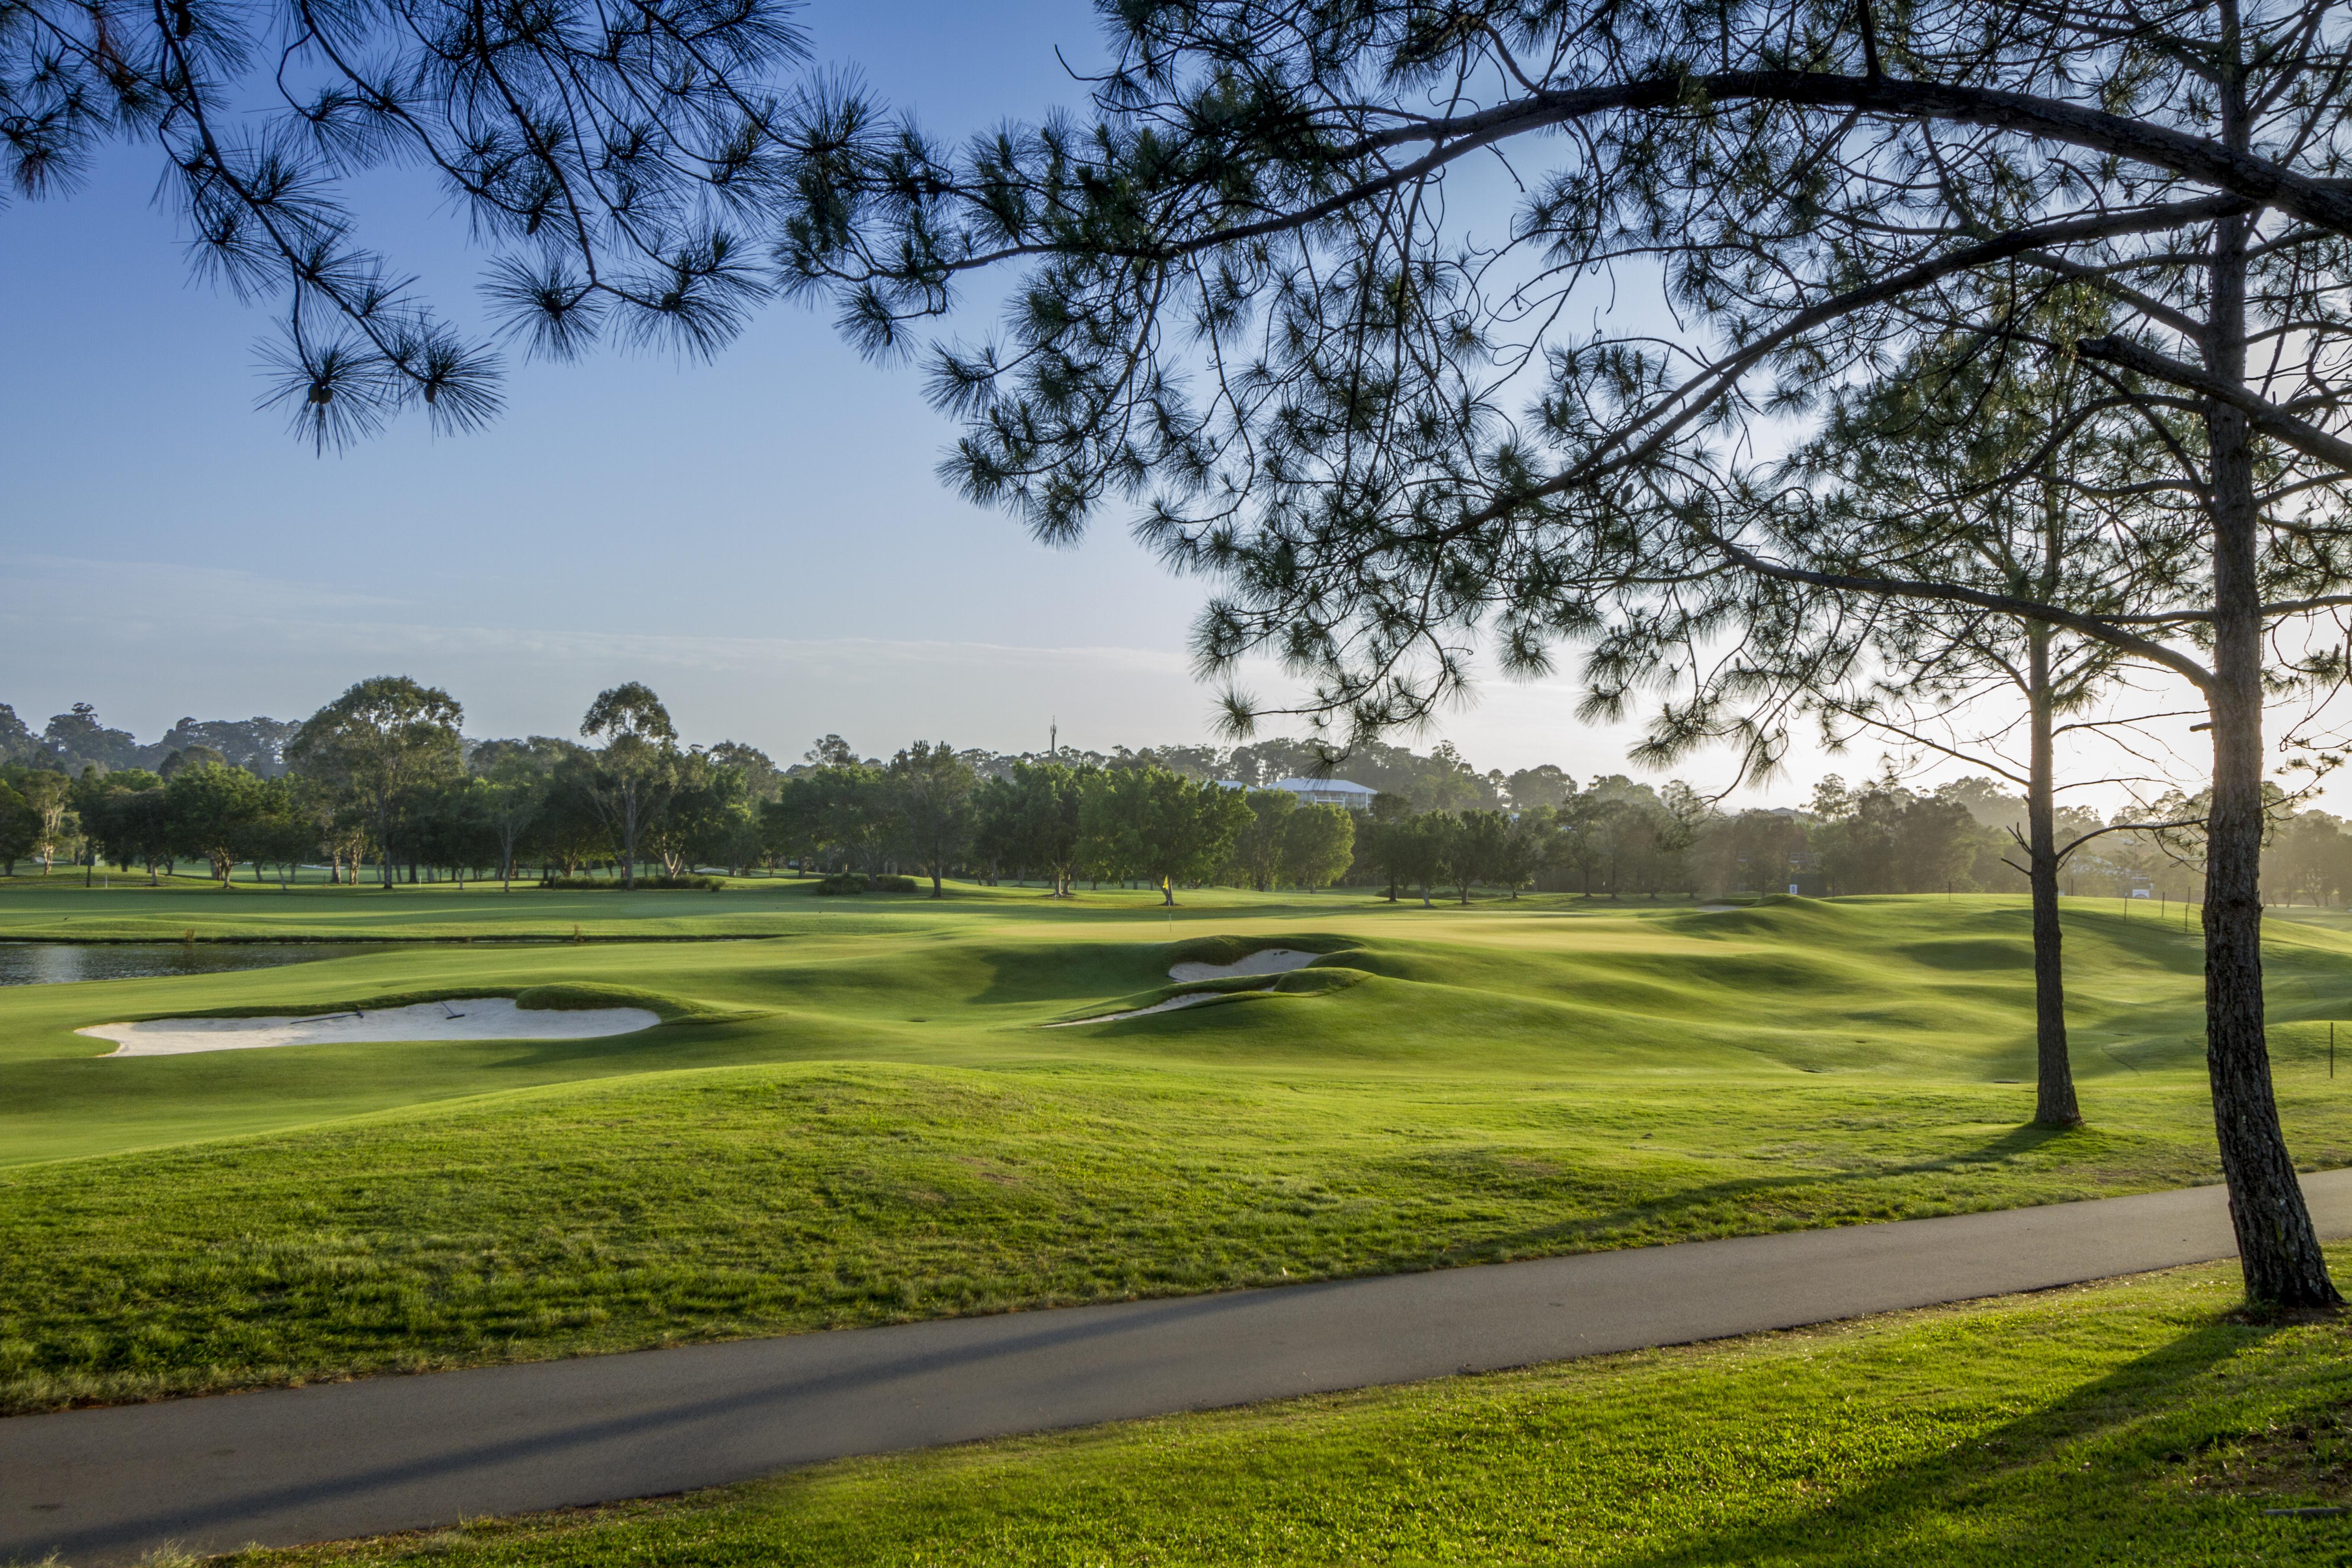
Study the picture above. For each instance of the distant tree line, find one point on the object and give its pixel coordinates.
(75, 741)
(382, 779)
(1617, 838)
(381, 784)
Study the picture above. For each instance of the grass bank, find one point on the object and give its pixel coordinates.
(2135, 1423)
(768, 1200)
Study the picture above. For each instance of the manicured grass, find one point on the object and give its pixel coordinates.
(862, 1120)
(2135, 1423)
(764, 1199)
(58, 907)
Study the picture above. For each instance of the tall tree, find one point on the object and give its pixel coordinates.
(1481, 849)
(1253, 304)
(1046, 822)
(379, 742)
(637, 769)
(1422, 849)
(213, 811)
(1258, 847)
(931, 795)
(80, 737)
(17, 742)
(47, 803)
(1319, 845)
(1978, 466)
(16, 829)
(516, 779)
(1384, 843)
(1160, 825)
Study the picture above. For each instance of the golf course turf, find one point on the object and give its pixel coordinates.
(2133, 1422)
(860, 1120)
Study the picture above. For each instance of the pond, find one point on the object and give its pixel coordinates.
(63, 962)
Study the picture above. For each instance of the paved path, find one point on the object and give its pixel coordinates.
(287, 1466)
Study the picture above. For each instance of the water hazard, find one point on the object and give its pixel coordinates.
(63, 962)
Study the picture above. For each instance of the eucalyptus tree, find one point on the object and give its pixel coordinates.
(213, 811)
(1043, 818)
(1481, 847)
(515, 783)
(47, 797)
(1319, 845)
(15, 822)
(1420, 850)
(636, 771)
(929, 789)
(1159, 825)
(606, 151)
(376, 745)
(1257, 853)
(1252, 305)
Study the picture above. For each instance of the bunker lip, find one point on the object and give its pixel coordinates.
(1265, 961)
(469, 1018)
(1190, 999)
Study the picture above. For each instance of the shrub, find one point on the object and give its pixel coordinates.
(659, 884)
(859, 882)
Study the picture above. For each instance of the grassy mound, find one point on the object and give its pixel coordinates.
(867, 1121)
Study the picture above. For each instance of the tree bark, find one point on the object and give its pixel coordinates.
(629, 837)
(2278, 1250)
(2054, 1093)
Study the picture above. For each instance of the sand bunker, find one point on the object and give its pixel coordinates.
(1265, 961)
(474, 1018)
(1190, 1000)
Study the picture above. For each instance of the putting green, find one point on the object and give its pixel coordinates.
(861, 1117)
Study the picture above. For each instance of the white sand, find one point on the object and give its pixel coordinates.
(1188, 1000)
(474, 1018)
(1265, 961)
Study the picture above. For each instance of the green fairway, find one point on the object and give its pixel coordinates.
(2135, 1423)
(859, 1118)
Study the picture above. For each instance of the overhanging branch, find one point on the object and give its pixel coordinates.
(2264, 415)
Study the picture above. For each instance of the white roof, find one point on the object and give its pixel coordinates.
(1323, 787)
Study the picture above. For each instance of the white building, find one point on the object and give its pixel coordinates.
(1328, 791)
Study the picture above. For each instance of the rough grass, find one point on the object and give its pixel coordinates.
(864, 1120)
(766, 1200)
(2137, 1422)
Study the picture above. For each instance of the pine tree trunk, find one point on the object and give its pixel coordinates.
(2053, 1094)
(2278, 1251)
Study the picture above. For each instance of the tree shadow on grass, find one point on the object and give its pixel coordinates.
(1845, 1191)
(2081, 1480)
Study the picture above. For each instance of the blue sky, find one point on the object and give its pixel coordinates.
(762, 537)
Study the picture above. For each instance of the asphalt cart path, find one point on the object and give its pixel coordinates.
(287, 1466)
